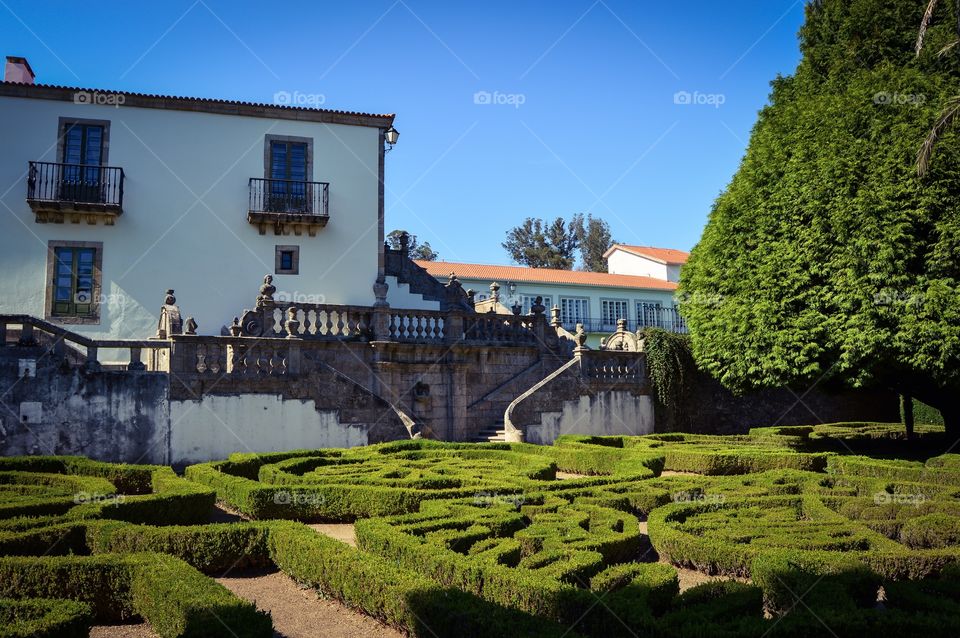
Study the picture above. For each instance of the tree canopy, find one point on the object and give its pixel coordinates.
(827, 257)
(538, 243)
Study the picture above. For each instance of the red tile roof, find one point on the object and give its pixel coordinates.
(215, 105)
(503, 274)
(663, 255)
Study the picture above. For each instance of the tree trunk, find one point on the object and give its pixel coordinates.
(906, 411)
(950, 411)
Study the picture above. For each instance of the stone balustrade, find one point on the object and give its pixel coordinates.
(27, 332)
(613, 366)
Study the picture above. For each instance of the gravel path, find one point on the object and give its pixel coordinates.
(342, 532)
(566, 476)
(301, 613)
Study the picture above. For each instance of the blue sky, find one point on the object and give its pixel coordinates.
(581, 115)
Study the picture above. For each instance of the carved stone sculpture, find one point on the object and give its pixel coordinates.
(538, 308)
(265, 298)
(170, 322)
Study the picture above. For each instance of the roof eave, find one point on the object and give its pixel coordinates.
(202, 105)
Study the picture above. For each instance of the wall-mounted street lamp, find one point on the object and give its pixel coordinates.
(390, 137)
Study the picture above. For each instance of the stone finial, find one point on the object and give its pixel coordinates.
(380, 288)
(453, 283)
(555, 317)
(405, 242)
(621, 325)
(190, 327)
(472, 296)
(517, 309)
(235, 328)
(170, 299)
(495, 293)
(265, 298)
(580, 338)
(538, 308)
(292, 324)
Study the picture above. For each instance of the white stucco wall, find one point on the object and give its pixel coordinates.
(605, 414)
(621, 262)
(399, 296)
(184, 224)
(217, 426)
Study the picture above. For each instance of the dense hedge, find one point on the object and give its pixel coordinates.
(44, 618)
(484, 540)
(173, 597)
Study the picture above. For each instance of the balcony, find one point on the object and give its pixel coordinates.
(75, 192)
(288, 206)
(670, 320)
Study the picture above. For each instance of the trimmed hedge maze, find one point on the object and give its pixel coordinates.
(816, 532)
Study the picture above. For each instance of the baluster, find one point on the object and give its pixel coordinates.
(216, 353)
(340, 324)
(306, 325)
(201, 358)
(135, 363)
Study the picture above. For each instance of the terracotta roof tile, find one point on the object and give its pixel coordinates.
(175, 101)
(503, 274)
(663, 255)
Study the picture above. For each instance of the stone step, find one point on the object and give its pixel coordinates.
(491, 435)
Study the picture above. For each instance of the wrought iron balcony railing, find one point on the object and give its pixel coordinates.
(289, 196)
(78, 186)
(669, 319)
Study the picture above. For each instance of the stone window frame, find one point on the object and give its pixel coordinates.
(105, 142)
(607, 300)
(268, 139)
(93, 319)
(277, 265)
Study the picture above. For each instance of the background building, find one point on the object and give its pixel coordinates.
(597, 300)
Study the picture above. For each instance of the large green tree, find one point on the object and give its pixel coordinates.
(537, 243)
(595, 240)
(828, 257)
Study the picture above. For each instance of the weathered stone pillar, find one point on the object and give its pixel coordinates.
(453, 327)
(381, 311)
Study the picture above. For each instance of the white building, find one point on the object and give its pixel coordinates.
(597, 300)
(111, 198)
(645, 261)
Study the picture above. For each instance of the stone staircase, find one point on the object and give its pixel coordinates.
(398, 264)
(492, 434)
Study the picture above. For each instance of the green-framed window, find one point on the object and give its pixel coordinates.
(73, 281)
